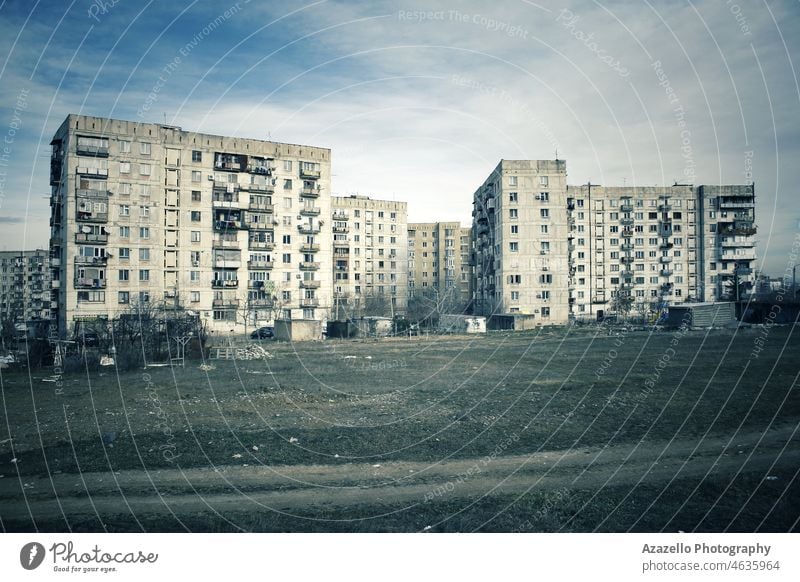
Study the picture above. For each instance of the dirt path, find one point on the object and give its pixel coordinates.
(250, 488)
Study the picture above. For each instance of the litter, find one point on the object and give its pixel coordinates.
(237, 456)
(293, 440)
(771, 478)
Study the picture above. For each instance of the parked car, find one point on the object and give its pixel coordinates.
(263, 333)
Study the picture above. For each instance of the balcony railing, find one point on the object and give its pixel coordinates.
(665, 207)
(309, 248)
(94, 194)
(260, 265)
(79, 260)
(732, 205)
(305, 229)
(339, 244)
(222, 283)
(626, 246)
(313, 302)
(89, 150)
(666, 272)
(227, 263)
(310, 284)
(55, 284)
(626, 208)
(626, 233)
(310, 192)
(262, 206)
(309, 266)
(665, 259)
(224, 244)
(340, 230)
(82, 237)
(626, 221)
(85, 283)
(258, 245)
(309, 174)
(338, 215)
(228, 225)
(309, 211)
(86, 171)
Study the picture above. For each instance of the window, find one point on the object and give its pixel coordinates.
(124, 147)
(124, 253)
(197, 156)
(125, 188)
(287, 184)
(194, 296)
(513, 247)
(124, 231)
(512, 213)
(512, 180)
(194, 276)
(287, 165)
(144, 148)
(144, 254)
(124, 167)
(545, 312)
(286, 239)
(545, 212)
(195, 214)
(145, 169)
(514, 229)
(512, 197)
(515, 296)
(195, 236)
(543, 228)
(144, 274)
(144, 297)
(286, 258)
(124, 275)
(124, 210)
(124, 297)
(144, 211)
(196, 196)
(144, 232)
(195, 255)
(197, 175)
(543, 181)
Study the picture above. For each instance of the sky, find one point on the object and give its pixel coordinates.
(419, 100)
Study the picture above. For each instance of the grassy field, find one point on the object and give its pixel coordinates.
(404, 435)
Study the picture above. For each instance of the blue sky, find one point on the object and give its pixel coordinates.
(419, 100)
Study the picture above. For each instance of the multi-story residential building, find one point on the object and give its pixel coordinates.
(369, 268)
(438, 262)
(24, 285)
(224, 226)
(561, 252)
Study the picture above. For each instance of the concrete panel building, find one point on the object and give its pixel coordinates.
(370, 273)
(438, 262)
(24, 285)
(225, 226)
(560, 253)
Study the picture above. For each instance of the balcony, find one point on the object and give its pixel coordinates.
(665, 260)
(84, 238)
(90, 150)
(93, 194)
(666, 272)
(626, 233)
(229, 225)
(626, 208)
(260, 166)
(665, 245)
(227, 263)
(224, 283)
(92, 216)
(340, 230)
(665, 207)
(225, 202)
(85, 283)
(309, 173)
(261, 245)
(740, 256)
(307, 266)
(261, 206)
(85, 171)
(267, 188)
(626, 221)
(744, 271)
(737, 205)
(260, 265)
(626, 273)
(218, 243)
(626, 260)
(626, 246)
(306, 229)
(310, 211)
(310, 192)
(339, 215)
(312, 302)
(309, 284)
(55, 284)
(79, 260)
(341, 244)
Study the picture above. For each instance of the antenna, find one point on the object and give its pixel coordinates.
(556, 154)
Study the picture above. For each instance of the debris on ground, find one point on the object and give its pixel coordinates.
(292, 440)
(207, 367)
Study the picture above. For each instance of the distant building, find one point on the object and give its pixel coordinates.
(370, 272)
(439, 262)
(24, 285)
(228, 227)
(559, 252)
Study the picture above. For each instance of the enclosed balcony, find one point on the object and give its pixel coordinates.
(340, 215)
(310, 284)
(309, 302)
(666, 272)
(308, 229)
(309, 266)
(310, 192)
(626, 221)
(665, 260)
(224, 243)
(626, 233)
(91, 237)
(225, 302)
(626, 207)
(341, 244)
(309, 248)
(260, 165)
(261, 204)
(310, 171)
(230, 162)
(310, 211)
(261, 245)
(626, 246)
(340, 229)
(97, 261)
(224, 283)
(86, 283)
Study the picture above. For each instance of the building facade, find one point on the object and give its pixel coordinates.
(369, 269)
(223, 226)
(24, 285)
(439, 263)
(561, 253)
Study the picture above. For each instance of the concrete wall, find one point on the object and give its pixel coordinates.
(298, 330)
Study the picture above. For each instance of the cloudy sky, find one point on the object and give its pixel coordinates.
(419, 100)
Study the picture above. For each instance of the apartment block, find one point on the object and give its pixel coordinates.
(24, 285)
(370, 272)
(561, 253)
(225, 226)
(439, 262)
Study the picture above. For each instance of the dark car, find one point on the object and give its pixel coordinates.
(263, 333)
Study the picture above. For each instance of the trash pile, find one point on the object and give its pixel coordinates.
(252, 352)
